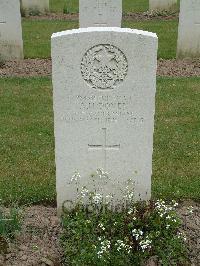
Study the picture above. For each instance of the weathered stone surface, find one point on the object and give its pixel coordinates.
(189, 29)
(162, 5)
(11, 43)
(100, 13)
(104, 82)
(35, 6)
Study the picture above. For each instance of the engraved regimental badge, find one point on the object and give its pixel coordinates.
(104, 66)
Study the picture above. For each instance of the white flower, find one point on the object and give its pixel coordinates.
(97, 198)
(104, 248)
(145, 244)
(181, 235)
(102, 227)
(108, 199)
(175, 204)
(190, 210)
(101, 173)
(167, 226)
(137, 233)
(84, 192)
(76, 176)
(130, 211)
(121, 245)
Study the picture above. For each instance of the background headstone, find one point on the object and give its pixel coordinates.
(162, 5)
(189, 29)
(104, 82)
(35, 6)
(100, 13)
(11, 43)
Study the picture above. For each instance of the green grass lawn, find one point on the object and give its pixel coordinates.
(27, 171)
(72, 5)
(37, 34)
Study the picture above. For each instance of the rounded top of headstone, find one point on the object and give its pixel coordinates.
(104, 29)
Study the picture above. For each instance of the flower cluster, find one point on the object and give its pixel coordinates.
(163, 209)
(122, 246)
(108, 199)
(104, 247)
(97, 198)
(167, 212)
(118, 236)
(101, 226)
(102, 174)
(84, 192)
(137, 233)
(76, 176)
(145, 244)
(129, 192)
(181, 235)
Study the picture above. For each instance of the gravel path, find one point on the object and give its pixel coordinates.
(38, 242)
(42, 67)
(138, 16)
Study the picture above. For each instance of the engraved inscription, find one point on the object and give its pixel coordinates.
(101, 108)
(104, 66)
(103, 5)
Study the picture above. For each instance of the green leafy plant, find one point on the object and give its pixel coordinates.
(10, 223)
(2, 61)
(70, 7)
(99, 234)
(34, 12)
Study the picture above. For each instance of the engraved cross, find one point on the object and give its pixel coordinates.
(104, 147)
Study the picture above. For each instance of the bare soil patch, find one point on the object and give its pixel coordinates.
(54, 16)
(143, 16)
(42, 67)
(38, 242)
(138, 16)
(179, 68)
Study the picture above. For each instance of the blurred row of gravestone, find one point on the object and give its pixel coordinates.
(108, 12)
(34, 7)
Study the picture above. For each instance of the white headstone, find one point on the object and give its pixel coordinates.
(162, 5)
(100, 13)
(11, 43)
(104, 82)
(189, 29)
(37, 6)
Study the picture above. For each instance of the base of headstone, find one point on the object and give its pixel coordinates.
(34, 7)
(188, 45)
(11, 51)
(11, 42)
